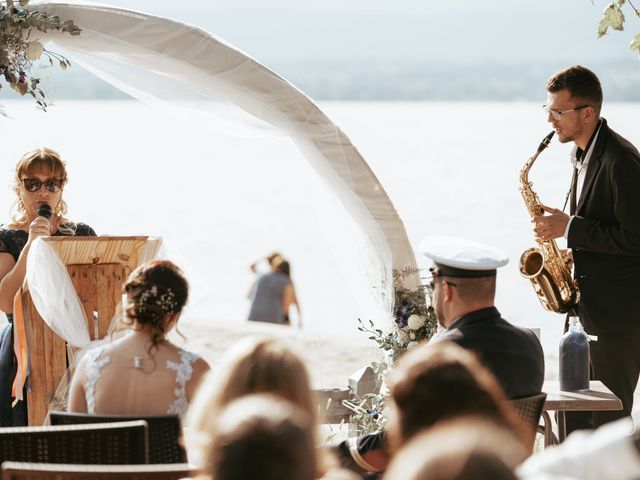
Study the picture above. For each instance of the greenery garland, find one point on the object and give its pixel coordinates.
(414, 322)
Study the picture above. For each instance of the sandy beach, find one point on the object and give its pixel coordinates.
(330, 359)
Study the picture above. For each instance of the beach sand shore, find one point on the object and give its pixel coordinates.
(330, 358)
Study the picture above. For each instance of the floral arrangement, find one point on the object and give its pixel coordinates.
(18, 51)
(414, 321)
(414, 318)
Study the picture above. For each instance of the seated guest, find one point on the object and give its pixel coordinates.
(433, 383)
(262, 436)
(466, 448)
(253, 365)
(278, 436)
(142, 373)
(430, 384)
(464, 287)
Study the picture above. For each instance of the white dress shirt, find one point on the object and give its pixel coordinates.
(582, 171)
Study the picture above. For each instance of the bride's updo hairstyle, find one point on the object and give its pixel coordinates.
(37, 161)
(155, 290)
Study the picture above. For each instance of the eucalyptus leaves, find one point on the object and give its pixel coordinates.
(18, 51)
(413, 321)
(613, 17)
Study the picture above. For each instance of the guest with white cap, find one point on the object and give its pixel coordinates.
(464, 286)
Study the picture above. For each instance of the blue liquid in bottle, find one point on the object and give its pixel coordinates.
(574, 358)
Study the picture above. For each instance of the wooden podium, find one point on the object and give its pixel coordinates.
(97, 266)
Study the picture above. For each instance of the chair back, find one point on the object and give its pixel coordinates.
(50, 471)
(165, 432)
(528, 410)
(104, 443)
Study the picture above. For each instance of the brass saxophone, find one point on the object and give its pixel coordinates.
(545, 266)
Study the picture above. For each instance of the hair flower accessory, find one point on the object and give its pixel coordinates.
(166, 301)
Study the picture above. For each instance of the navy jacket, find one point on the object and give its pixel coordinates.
(514, 355)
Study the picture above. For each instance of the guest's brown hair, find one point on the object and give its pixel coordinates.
(262, 436)
(438, 382)
(466, 448)
(253, 365)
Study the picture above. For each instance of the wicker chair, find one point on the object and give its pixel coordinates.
(104, 443)
(529, 410)
(50, 471)
(165, 432)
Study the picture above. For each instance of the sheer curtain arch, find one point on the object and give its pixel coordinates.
(159, 60)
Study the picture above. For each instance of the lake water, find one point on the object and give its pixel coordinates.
(221, 201)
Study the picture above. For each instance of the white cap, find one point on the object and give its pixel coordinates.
(459, 257)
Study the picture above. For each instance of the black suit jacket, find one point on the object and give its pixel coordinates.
(514, 355)
(605, 237)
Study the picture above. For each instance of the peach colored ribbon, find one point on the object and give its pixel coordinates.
(19, 348)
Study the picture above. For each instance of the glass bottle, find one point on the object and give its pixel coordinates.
(574, 358)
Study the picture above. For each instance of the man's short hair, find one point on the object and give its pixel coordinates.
(480, 289)
(581, 82)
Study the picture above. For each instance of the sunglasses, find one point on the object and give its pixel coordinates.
(435, 273)
(53, 185)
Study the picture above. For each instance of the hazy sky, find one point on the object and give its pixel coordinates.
(460, 31)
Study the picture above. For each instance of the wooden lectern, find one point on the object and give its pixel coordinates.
(98, 266)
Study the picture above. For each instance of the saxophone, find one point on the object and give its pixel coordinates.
(545, 266)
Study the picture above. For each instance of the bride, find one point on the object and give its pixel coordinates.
(142, 373)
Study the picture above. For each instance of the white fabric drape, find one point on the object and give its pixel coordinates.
(153, 58)
(54, 296)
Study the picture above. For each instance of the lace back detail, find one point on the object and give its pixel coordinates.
(95, 364)
(184, 370)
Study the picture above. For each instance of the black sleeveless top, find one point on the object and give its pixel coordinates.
(13, 241)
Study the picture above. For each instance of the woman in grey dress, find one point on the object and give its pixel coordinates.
(273, 294)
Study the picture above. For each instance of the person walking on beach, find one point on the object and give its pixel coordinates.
(273, 294)
(602, 231)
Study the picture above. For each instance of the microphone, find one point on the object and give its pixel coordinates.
(44, 210)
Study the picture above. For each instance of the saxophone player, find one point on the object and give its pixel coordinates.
(603, 232)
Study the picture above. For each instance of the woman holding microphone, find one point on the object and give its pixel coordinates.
(39, 211)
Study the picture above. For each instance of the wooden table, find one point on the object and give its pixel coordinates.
(598, 397)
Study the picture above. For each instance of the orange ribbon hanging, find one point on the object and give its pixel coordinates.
(20, 348)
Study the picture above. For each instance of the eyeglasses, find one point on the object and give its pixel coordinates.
(53, 185)
(435, 273)
(557, 114)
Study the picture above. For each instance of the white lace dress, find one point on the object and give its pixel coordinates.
(184, 370)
